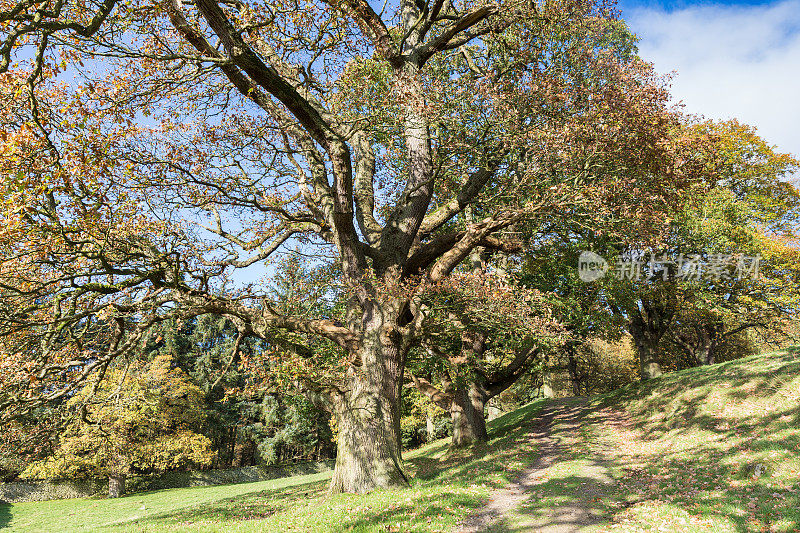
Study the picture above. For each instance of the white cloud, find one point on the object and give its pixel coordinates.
(731, 62)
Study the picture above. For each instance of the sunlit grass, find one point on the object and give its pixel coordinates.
(681, 455)
(446, 487)
(689, 463)
(684, 461)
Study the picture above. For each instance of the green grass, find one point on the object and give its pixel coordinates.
(681, 451)
(446, 487)
(680, 455)
(575, 481)
(688, 462)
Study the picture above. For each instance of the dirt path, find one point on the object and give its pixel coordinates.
(579, 509)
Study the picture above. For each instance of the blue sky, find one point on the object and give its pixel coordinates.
(730, 59)
(685, 3)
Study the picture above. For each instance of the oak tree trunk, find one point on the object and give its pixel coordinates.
(116, 486)
(646, 338)
(368, 419)
(649, 320)
(649, 367)
(466, 412)
(706, 353)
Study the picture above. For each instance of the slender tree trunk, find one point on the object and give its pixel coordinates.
(466, 411)
(546, 390)
(572, 366)
(368, 418)
(116, 486)
(232, 445)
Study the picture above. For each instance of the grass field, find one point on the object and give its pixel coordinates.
(446, 487)
(683, 459)
(690, 461)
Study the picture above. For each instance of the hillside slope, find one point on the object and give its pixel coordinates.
(715, 448)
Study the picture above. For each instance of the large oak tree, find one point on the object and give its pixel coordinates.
(193, 140)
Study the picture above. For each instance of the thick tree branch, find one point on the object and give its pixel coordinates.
(470, 190)
(471, 238)
(373, 27)
(500, 381)
(448, 39)
(438, 397)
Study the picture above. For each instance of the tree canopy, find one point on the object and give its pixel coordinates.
(154, 151)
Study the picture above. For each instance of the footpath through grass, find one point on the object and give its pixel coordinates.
(446, 487)
(713, 449)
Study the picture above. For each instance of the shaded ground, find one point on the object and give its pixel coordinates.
(5, 513)
(708, 449)
(688, 462)
(447, 485)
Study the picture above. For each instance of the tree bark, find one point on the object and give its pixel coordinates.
(649, 367)
(467, 403)
(116, 486)
(706, 355)
(466, 412)
(367, 412)
(710, 356)
(702, 346)
(649, 317)
(647, 325)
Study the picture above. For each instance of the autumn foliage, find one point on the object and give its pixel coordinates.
(158, 157)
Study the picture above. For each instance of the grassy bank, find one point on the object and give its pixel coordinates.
(711, 449)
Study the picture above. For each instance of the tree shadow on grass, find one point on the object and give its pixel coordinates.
(753, 377)
(509, 443)
(251, 506)
(429, 499)
(553, 506)
(412, 514)
(550, 508)
(5, 514)
(411, 511)
(708, 471)
(722, 421)
(708, 483)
